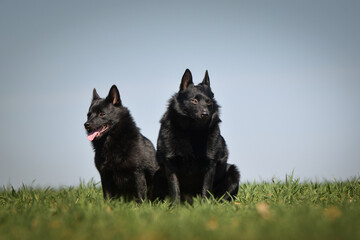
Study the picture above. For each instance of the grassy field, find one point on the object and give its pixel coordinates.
(266, 210)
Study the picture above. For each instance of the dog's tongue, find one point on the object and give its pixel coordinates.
(92, 135)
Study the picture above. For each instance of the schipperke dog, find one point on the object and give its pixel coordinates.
(190, 148)
(124, 158)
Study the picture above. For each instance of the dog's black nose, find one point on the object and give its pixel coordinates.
(87, 125)
(204, 114)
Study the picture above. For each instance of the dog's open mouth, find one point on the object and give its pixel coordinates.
(97, 133)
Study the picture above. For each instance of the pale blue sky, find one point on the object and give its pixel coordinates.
(286, 73)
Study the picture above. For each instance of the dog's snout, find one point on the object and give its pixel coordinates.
(87, 125)
(204, 114)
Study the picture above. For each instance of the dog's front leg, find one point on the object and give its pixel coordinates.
(141, 186)
(108, 185)
(208, 179)
(174, 188)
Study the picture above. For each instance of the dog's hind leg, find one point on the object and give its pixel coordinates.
(228, 186)
(140, 186)
(233, 178)
(160, 185)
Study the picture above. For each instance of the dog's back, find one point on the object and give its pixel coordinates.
(124, 158)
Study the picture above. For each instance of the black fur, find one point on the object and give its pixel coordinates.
(124, 158)
(190, 148)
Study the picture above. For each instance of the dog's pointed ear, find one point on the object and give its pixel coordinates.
(95, 95)
(114, 96)
(206, 80)
(186, 80)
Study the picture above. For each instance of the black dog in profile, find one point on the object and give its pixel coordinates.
(190, 148)
(124, 158)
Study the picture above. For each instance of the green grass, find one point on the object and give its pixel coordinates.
(266, 210)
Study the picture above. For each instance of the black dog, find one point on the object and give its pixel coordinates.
(190, 148)
(124, 158)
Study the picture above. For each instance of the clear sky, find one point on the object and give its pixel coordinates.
(286, 73)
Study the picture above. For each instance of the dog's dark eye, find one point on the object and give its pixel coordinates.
(208, 101)
(101, 114)
(194, 101)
